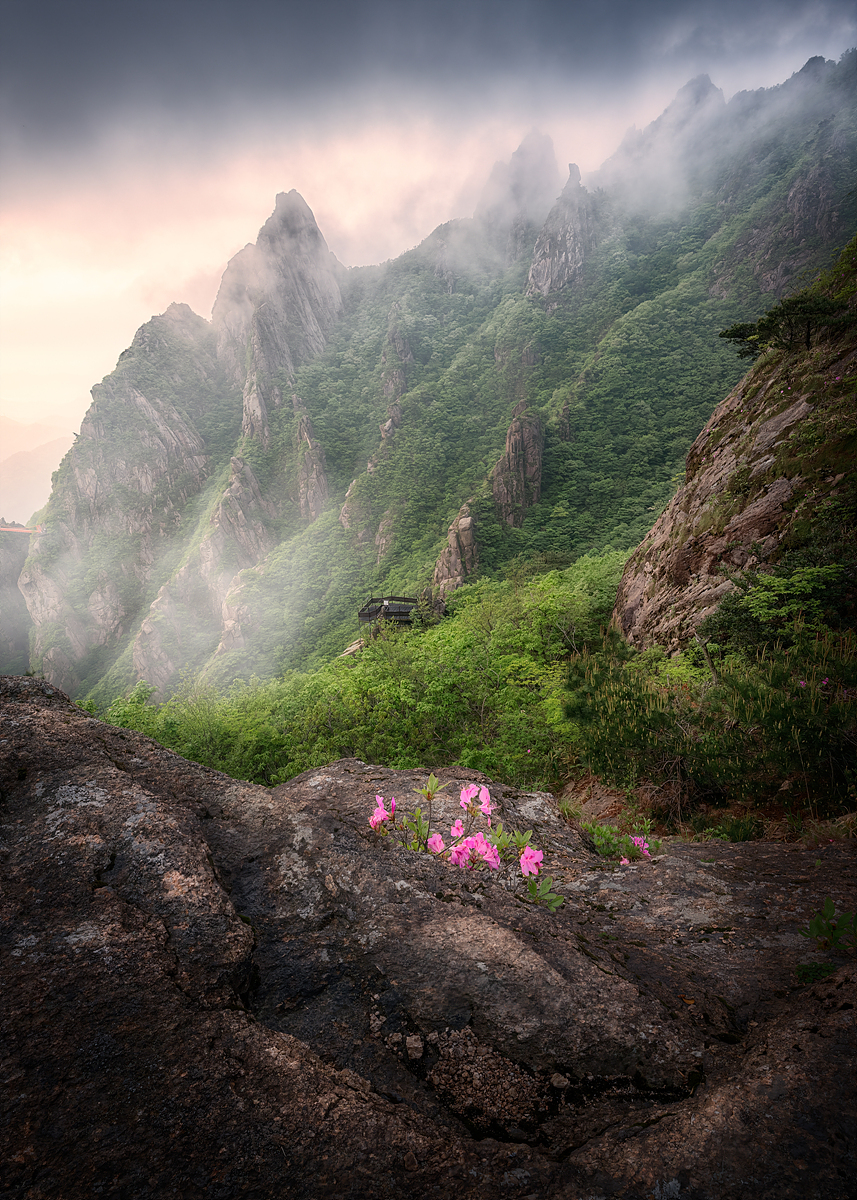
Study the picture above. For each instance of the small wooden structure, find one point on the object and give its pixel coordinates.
(391, 608)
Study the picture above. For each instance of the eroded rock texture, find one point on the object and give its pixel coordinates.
(517, 478)
(213, 989)
(776, 453)
(277, 302)
(569, 235)
(194, 599)
(460, 556)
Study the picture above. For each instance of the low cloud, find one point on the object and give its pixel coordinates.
(143, 146)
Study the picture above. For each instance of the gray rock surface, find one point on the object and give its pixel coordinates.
(460, 556)
(237, 537)
(569, 234)
(516, 480)
(277, 302)
(771, 457)
(134, 466)
(209, 988)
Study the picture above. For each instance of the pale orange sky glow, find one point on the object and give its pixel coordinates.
(136, 164)
(85, 264)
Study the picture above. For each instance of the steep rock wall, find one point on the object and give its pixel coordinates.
(459, 557)
(569, 234)
(184, 621)
(774, 455)
(277, 302)
(118, 500)
(517, 478)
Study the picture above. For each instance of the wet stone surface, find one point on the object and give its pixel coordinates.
(214, 989)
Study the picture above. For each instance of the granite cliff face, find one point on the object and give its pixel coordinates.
(517, 478)
(459, 557)
(152, 442)
(775, 457)
(277, 302)
(192, 602)
(569, 234)
(120, 497)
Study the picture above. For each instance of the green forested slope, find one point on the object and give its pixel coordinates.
(623, 368)
(523, 680)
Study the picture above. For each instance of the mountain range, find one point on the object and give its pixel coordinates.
(523, 385)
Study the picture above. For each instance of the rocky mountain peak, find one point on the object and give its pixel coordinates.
(277, 302)
(652, 166)
(526, 185)
(291, 228)
(568, 235)
(520, 193)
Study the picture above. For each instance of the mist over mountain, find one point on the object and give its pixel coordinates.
(526, 382)
(29, 454)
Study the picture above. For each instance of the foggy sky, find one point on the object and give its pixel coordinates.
(142, 145)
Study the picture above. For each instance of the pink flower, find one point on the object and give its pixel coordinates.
(624, 862)
(803, 683)
(457, 830)
(468, 793)
(459, 855)
(392, 806)
(479, 844)
(486, 805)
(435, 843)
(491, 855)
(530, 861)
(379, 814)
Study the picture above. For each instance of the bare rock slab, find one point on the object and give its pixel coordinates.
(214, 989)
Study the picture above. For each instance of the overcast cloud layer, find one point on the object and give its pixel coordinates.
(142, 145)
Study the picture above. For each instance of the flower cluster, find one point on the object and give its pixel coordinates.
(642, 845)
(467, 849)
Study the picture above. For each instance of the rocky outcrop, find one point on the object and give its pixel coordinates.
(385, 536)
(118, 499)
(774, 454)
(517, 478)
(459, 557)
(352, 515)
(569, 235)
(394, 420)
(396, 357)
(277, 302)
(239, 991)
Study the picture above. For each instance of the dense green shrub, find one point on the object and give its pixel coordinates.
(482, 688)
(781, 715)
